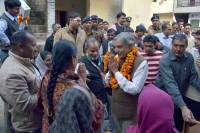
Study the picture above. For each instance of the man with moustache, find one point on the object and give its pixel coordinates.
(72, 32)
(125, 94)
(119, 25)
(94, 66)
(176, 72)
(155, 27)
(87, 27)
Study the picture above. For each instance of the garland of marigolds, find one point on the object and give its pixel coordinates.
(126, 67)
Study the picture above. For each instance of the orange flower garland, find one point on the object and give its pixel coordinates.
(105, 61)
(126, 67)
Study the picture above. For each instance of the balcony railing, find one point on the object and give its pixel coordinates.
(188, 3)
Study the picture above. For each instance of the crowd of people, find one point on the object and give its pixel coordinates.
(93, 77)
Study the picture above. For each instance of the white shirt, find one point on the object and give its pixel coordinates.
(167, 41)
(101, 50)
(136, 84)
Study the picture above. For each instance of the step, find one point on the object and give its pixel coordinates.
(41, 36)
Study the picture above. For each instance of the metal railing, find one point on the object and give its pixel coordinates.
(188, 3)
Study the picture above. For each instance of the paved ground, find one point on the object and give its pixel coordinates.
(1, 115)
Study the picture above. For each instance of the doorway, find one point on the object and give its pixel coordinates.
(61, 18)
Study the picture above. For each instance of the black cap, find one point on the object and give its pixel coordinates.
(141, 28)
(128, 19)
(155, 17)
(86, 18)
(94, 17)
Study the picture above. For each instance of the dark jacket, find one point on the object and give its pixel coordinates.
(12, 27)
(119, 29)
(96, 84)
(49, 43)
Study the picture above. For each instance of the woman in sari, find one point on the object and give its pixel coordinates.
(62, 90)
(44, 62)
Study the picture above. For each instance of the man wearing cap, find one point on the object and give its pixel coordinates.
(72, 32)
(154, 28)
(128, 23)
(95, 23)
(139, 33)
(119, 25)
(87, 27)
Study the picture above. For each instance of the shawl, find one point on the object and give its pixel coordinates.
(41, 65)
(154, 112)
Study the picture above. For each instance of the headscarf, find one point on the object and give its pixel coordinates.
(154, 112)
(41, 65)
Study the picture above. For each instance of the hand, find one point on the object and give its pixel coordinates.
(82, 71)
(187, 114)
(112, 64)
(198, 62)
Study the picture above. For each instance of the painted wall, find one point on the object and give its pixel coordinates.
(164, 7)
(185, 9)
(69, 6)
(106, 10)
(139, 10)
(2, 8)
(165, 17)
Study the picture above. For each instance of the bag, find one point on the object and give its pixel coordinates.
(192, 129)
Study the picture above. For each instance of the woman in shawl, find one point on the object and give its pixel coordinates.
(64, 91)
(154, 113)
(44, 62)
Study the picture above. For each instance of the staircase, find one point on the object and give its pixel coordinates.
(38, 20)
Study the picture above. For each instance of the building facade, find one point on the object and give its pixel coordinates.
(46, 12)
(188, 10)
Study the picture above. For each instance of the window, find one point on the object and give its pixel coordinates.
(188, 3)
(194, 23)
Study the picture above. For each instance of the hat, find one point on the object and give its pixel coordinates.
(94, 17)
(141, 28)
(128, 19)
(155, 17)
(86, 18)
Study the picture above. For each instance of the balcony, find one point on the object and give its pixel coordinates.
(187, 3)
(186, 6)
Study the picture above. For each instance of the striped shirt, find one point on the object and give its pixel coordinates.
(153, 63)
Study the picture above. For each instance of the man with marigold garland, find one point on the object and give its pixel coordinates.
(127, 75)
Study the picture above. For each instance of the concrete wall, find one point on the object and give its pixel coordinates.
(50, 15)
(2, 8)
(185, 9)
(165, 7)
(139, 10)
(194, 16)
(106, 10)
(165, 17)
(69, 6)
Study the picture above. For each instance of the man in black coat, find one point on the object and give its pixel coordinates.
(49, 42)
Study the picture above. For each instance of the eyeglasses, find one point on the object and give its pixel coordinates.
(79, 21)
